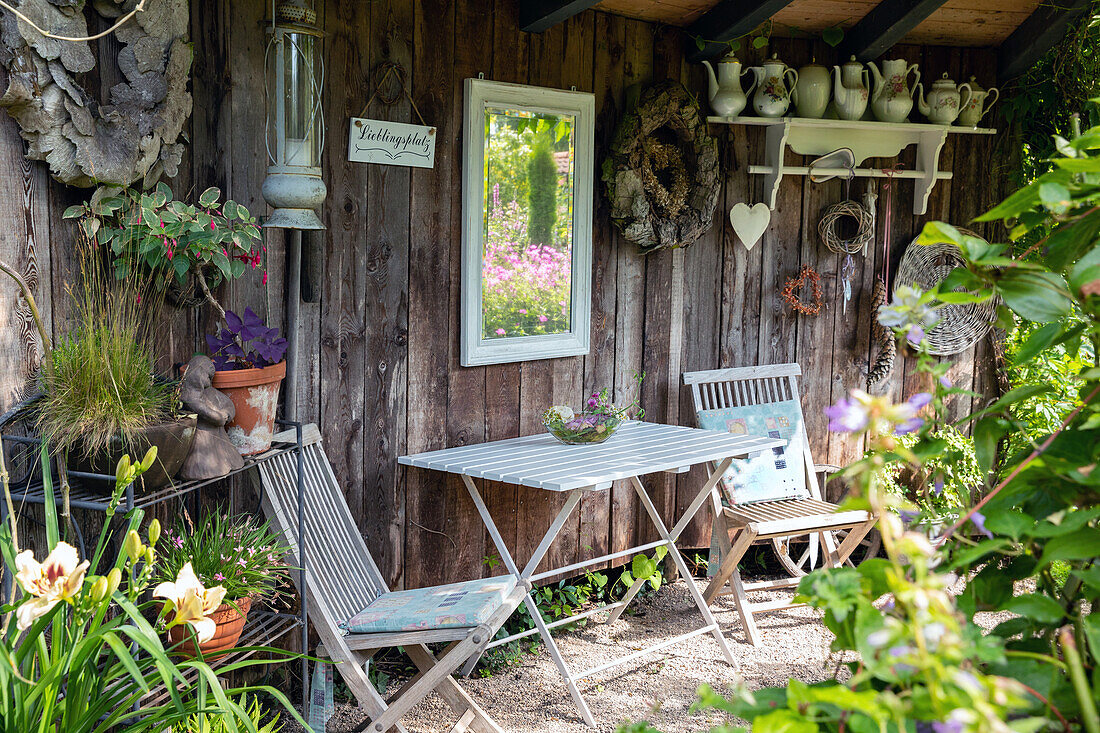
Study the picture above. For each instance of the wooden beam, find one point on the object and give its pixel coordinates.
(886, 24)
(727, 20)
(1042, 30)
(535, 16)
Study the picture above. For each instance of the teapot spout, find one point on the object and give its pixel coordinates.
(877, 91)
(840, 92)
(712, 81)
(922, 103)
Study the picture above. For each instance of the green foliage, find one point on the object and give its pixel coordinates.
(100, 381)
(218, 723)
(946, 481)
(542, 193)
(240, 554)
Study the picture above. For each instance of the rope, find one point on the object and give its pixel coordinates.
(380, 76)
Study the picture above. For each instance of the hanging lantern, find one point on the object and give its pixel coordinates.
(295, 125)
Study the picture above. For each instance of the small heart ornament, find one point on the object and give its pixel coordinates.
(750, 223)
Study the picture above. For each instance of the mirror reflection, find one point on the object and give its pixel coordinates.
(528, 234)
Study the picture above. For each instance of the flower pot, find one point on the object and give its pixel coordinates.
(172, 439)
(230, 623)
(255, 395)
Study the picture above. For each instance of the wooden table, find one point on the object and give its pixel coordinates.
(637, 449)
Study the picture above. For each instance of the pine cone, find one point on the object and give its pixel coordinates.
(881, 335)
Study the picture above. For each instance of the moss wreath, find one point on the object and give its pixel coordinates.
(661, 174)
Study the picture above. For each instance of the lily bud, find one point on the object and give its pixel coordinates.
(150, 456)
(132, 546)
(154, 531)
(99, 590)
(114, 579)
(122, 470)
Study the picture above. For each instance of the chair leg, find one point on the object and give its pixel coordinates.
(729, 564)
(855, 536)
(355, 677)
(451, 692)
(744, 608)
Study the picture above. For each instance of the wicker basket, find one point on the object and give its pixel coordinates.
(961, 325)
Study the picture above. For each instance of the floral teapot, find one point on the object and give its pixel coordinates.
(727, 99)
(892, 100)
(981, 101)
(850, 90)
(944, 100)
(773, 96)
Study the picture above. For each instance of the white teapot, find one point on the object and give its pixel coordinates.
(773, 97)
(944, 100)
(727, 99)
(971, 113)
(851, 90)
(892, 100)
(811, 91)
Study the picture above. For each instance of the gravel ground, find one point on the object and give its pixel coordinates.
(660, 688)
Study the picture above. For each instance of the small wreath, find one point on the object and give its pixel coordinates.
(832, 218)
(662, 173)
(792, 292)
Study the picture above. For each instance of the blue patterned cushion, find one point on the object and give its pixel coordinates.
(440, 607)
(779, 473)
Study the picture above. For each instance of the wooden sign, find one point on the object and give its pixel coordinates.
(391, 143)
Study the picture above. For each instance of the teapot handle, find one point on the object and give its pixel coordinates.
(996, 94)
(916, 78)
(969, 95)
(794, 82)
(757, 72)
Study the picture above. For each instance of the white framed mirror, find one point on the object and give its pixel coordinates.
(528, 159)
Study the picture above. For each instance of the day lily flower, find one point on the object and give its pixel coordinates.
(59, 578)
(193, 602)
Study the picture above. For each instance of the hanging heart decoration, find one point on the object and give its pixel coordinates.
(750, 223)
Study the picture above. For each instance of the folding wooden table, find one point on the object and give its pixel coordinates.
(637, 449)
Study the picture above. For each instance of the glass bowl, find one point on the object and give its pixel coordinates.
(584, 428)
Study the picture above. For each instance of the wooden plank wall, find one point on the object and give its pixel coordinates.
(379, 352)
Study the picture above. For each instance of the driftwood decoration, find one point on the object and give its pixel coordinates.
(662, 173)
(131, 136)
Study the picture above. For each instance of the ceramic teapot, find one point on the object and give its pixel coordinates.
(727, 99)
(944, 100)
(773, 97)
(892, 100)
(851, 91)
(811, 91)
(971, 113)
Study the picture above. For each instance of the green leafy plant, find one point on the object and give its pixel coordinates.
(945, 482)
(77, 648)
(172, 240)
(217, 723)
(239, 553)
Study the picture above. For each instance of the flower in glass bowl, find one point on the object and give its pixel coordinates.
(595, 423)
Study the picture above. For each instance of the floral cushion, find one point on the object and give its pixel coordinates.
(778, 473)
(439, 607)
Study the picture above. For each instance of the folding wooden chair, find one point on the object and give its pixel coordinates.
(769, 497)
(345, 591)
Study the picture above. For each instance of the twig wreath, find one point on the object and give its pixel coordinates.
(833, 219)
(662, 173)
(793, 292)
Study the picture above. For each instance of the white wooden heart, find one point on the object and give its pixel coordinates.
(748, 223)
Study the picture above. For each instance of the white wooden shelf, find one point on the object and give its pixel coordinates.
(865, 138)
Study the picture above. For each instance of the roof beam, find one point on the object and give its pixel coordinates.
(535, 16)
(727, 20)
(886, 24)
(1042, 30)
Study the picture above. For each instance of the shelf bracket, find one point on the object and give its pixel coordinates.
(774, 153)
(929, 146)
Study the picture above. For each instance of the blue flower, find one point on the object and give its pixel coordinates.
(847, 416)
(978, 520)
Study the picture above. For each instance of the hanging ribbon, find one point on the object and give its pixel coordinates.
(884, 364)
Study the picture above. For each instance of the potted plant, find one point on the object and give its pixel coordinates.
(248, 357)
(238, 559)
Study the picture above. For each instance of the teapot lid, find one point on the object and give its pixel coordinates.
(975, 88)
(774, 60)
(944, 81)
(730, 57)
(853, 62)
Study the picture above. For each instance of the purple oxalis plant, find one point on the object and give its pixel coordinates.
(245, 342)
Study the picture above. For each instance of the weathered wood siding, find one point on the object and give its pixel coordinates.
(379, 352)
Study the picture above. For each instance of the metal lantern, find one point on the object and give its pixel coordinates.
(295, 124)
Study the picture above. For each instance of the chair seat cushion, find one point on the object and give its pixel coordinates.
(771, 475)
(456, 605)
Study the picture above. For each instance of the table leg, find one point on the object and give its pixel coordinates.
(701, 604)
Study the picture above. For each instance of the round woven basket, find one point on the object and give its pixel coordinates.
(961, 325)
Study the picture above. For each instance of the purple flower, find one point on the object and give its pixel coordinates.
(915, 335)
(847, 416)
(945, 382)
(978, 520)
(911, 425)
(907, 516)
(937, 486)
(219, 576)
(919, 400)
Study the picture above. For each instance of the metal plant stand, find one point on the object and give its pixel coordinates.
(263, 628)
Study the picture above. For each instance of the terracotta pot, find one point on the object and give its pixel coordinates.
(230, 623)
(255, 395)
(172, 439)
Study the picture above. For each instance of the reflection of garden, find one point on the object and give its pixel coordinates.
(528, 226)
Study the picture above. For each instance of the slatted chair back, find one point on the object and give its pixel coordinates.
(716, 389)
(341, 576)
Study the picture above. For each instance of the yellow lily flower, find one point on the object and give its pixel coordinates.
(57, 579)
(192, 602)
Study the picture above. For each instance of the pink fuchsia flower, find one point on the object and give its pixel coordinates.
(211, 225)
(500, 332)
(543, 319)
(265, 278)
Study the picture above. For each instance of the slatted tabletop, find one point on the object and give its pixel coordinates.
(637, 449)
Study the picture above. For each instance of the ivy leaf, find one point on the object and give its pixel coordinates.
(759, 42)
(700, 43)
(833, 36)
(1037, 607)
